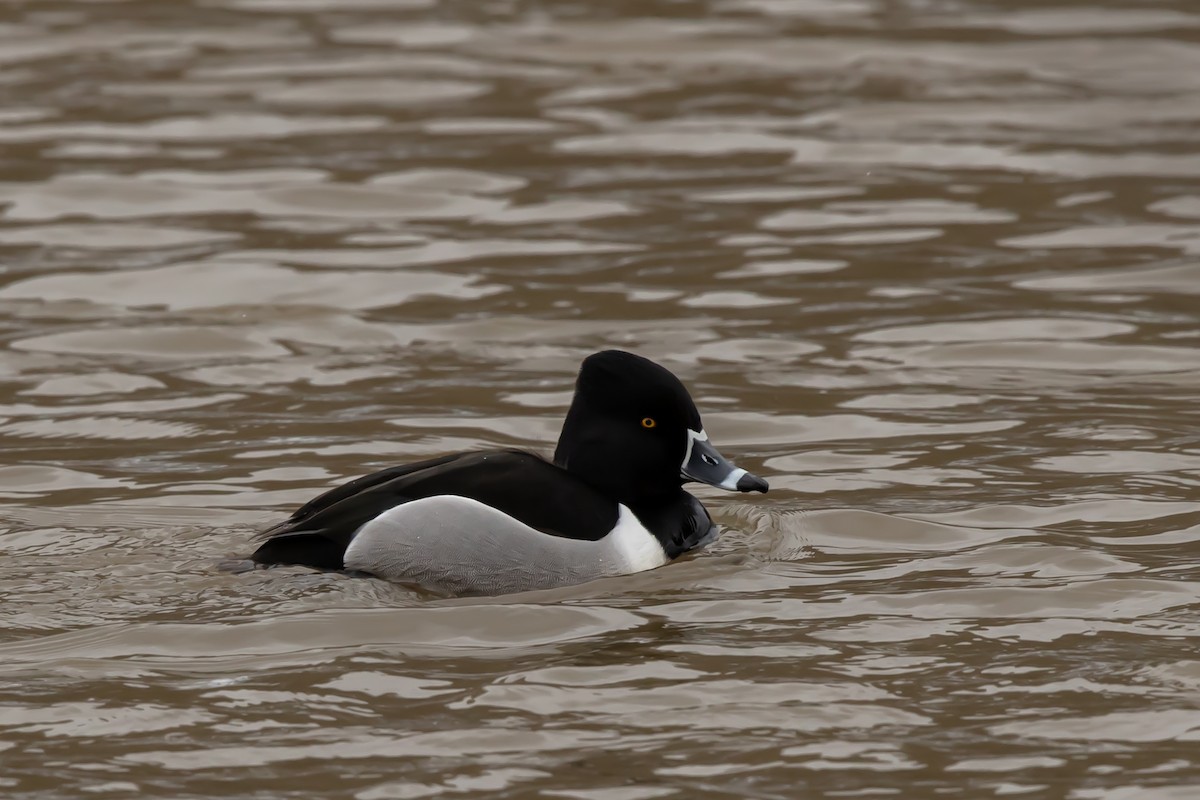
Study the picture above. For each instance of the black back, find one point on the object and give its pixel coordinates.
(520, 484)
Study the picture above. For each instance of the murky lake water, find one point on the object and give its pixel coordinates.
(931, 268)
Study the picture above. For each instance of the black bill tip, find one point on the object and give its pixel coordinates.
(751, 483)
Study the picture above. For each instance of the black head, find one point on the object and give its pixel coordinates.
(634, 433)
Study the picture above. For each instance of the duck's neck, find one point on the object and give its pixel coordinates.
(572, 435)
(602, 461)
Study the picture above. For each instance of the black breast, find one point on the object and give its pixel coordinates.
(681, 522)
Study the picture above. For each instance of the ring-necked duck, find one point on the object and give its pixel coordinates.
(498, 521)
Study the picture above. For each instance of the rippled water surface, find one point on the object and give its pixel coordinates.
(931, 267)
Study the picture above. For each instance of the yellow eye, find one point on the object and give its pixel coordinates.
(648, 422)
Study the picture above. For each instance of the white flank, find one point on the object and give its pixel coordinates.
(631, 541)
(455, 542)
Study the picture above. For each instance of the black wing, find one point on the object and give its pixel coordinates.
(520, 484)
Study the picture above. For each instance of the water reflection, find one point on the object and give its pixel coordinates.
(929, 267)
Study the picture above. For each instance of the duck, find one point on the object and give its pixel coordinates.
(492, 522)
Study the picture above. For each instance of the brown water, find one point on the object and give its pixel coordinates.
(931, 267)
